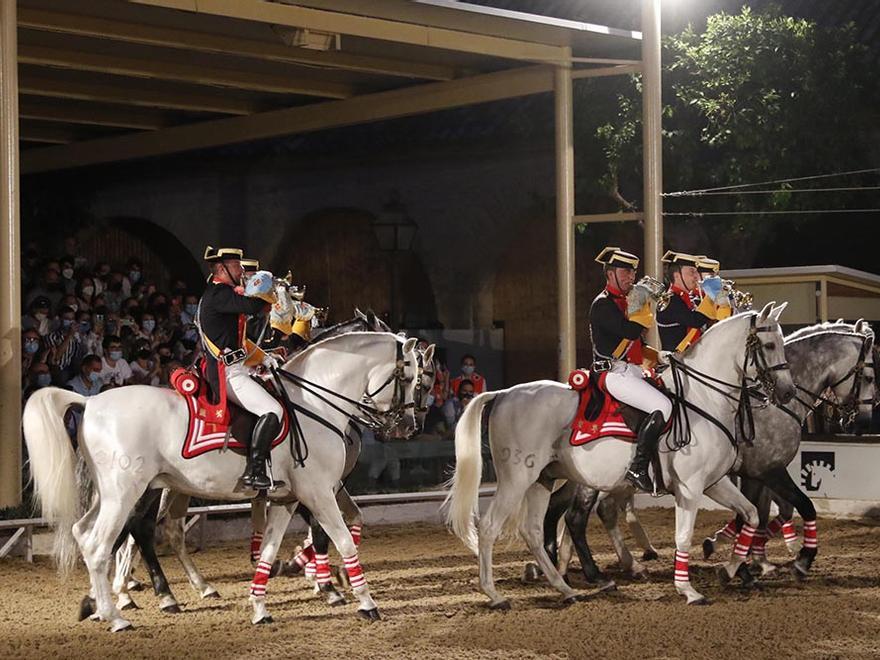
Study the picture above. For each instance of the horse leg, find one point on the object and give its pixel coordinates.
(175, 534)
(576, 519)
(532, 530)
(323, 581)
(258, 526)
(728, 495)
(759, 553)
(143, 529)
(507, 500)
(96, 540)
(635, 527)
(783, 522)
(327, 513)
(780, 481)
(559, 502)
(124, 559)
(278, 520)
(609, 510)
(355, 518)
(686, 506)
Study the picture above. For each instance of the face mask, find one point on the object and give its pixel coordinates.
(31, 346)
(67, 273)
(85, 327)
(44, 380)
(115, 355)
(467, 370)
(191, 309)
(66, 323)
(94, 376)
(74, 307)
(191, 335)
(148, 325)
(134, 276)
(88, 291)
(429, 400)
(40, 316)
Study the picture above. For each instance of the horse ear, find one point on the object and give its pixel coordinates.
(410, 344)
(860, 326)
(765, 313)
(429, 353)
(777, 311)
(358, 314)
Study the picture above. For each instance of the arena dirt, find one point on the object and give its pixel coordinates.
(426, 587)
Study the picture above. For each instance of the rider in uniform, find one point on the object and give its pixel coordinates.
(222, 320)
(616, 335)
(688, 312)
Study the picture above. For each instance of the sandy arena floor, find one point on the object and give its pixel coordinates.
(425, 585)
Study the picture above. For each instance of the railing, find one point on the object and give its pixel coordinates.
(24, 527)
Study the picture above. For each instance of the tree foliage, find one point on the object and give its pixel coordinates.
(753, 97)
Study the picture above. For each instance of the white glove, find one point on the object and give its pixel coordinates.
(270, 361)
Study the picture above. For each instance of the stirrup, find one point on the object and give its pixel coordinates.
(646, 486)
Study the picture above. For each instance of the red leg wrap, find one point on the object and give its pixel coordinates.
(355, 572)
(789, 533)
(758, 543)
(681, 567)
(356, 534)
(811, 539)
(322, 569)
(256, 544)
(261, 579)
(744, 541)
(774, 526)
(305, 556)
(728, 531)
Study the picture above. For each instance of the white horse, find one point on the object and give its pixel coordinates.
(130, 439)
(529, 432)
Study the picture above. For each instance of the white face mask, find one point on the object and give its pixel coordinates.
(67, 273)
(468, 370)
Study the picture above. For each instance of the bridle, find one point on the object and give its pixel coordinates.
(754, 355)
(847, 409)
(420, 396)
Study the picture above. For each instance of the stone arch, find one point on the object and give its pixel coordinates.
(165, 258)
(334, 252)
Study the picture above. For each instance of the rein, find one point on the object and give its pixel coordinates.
(745, 420)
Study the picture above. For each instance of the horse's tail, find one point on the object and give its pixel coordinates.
(462, 502)
(53, 466)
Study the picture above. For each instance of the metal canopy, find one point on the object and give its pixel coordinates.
(110, 80)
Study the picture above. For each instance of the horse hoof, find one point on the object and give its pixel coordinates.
(370, 615)
(87, 607)
(337, 601)
(723, 576)
(171, 609)
(606, 586)
(213, 593)
(531, 573)
(650, 555)
(135, 585)
(130, 605)
(744, 574)
(501, 606)
(277, 568)
(708, 548)
(702, 600)
(577, 598)
(799, 573)
(266, 620)
(640, 576)
(120, 625)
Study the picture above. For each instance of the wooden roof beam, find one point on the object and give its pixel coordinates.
(180, 72)
(413, 100)
(370, 28)
(151, 98)
(47, 134)
(150, 35)
(36, 108)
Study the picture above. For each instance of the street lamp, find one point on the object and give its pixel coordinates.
(395, 232)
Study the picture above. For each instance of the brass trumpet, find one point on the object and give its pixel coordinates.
(741, 300)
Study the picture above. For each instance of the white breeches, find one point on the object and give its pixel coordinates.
(625, 383)
(248, 394)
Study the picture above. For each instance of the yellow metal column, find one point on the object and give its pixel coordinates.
(564, 213)
(10, 276)
(652, 156)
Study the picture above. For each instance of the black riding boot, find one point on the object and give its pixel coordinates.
(265, 431)
(649, 432)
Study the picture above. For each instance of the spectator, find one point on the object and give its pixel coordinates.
(85, 292)
(88, 382)
(101, 277)
(115, 371)
(72, 253)
(66, 344)
(33, 350)
(49, 286)
(135, 272)
(116, 291)
(190, 308)
(455, 407)
(38, 316)
(38, 376)
(67, 280)
(91, 340)
(147, 328)
(468, 372)
(145, 369)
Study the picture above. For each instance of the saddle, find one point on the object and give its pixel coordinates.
(599, 414)
(214, 422)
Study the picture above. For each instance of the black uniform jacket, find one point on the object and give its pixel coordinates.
(609, 325)
(220, 313)
(676, 320)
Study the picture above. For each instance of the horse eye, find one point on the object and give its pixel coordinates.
(770, 346)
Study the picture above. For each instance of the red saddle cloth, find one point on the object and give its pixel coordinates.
(608, 422)
(209, 423)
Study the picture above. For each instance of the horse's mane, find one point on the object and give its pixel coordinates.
(828, 327)
(321, 342)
